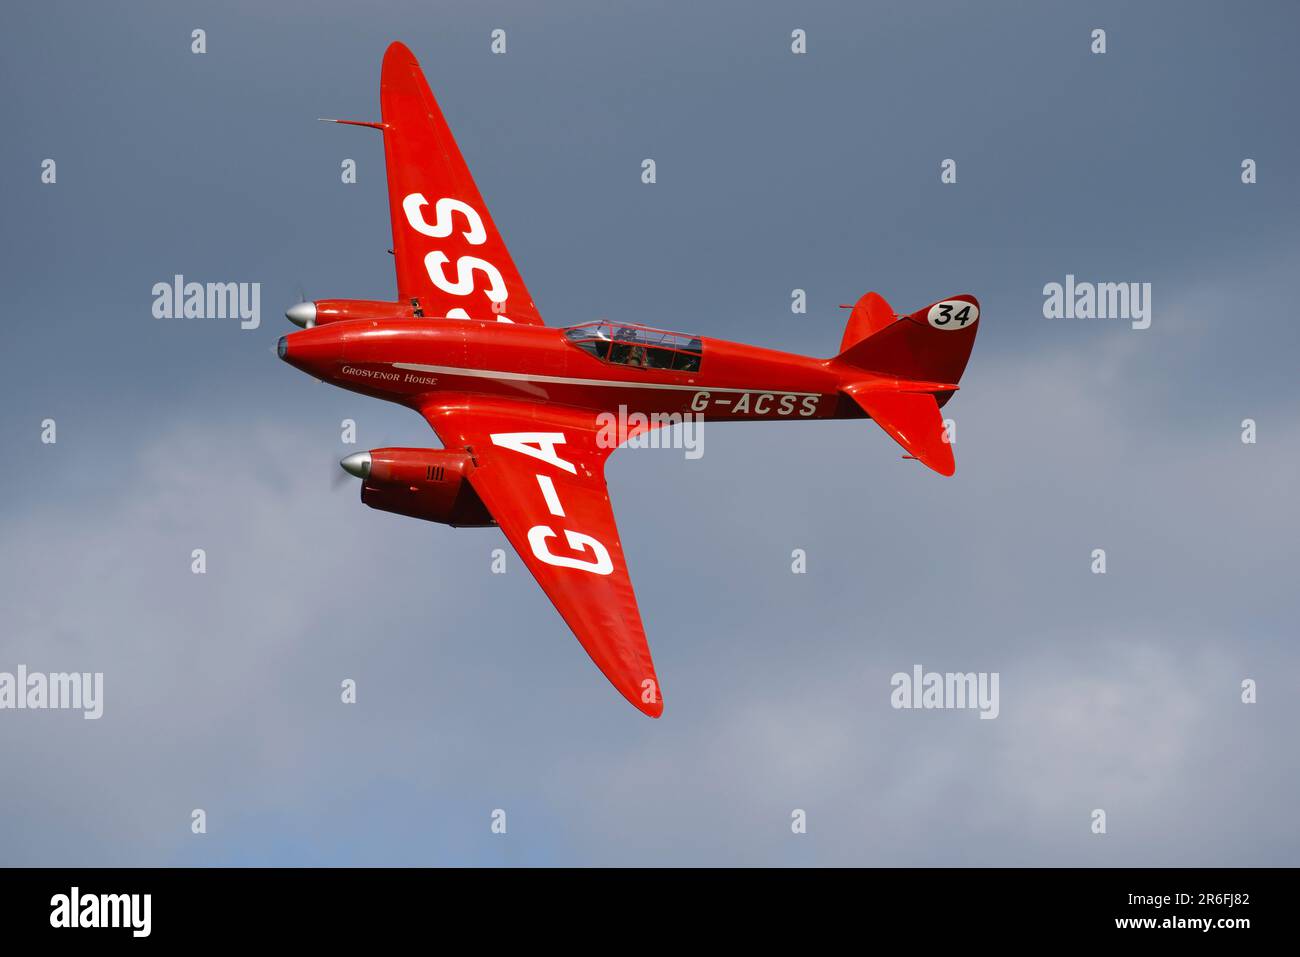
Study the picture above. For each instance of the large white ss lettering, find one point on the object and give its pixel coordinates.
(464, 283)
(414, 205)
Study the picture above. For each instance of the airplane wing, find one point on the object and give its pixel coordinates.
(450, 257)
(541, 473)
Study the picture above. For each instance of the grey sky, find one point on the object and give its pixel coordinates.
(775, 171)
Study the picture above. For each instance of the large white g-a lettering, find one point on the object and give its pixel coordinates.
(414, 205)
(540, 445)
(602, 565)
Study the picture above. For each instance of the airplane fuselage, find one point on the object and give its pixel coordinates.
(406, 360)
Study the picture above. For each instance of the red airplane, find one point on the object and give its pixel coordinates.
(522, 409)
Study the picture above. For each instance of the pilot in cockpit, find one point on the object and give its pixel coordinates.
(623, 351)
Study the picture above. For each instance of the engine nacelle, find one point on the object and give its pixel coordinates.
(432, 484)
(308, 314)
(341, 310)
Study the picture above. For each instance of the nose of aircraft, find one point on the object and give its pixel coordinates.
(302, 314)
(317, 351)
(358, 464)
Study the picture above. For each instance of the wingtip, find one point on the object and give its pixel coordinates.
(940, 460)
(400, 73)
(397, 51)
(637, 697)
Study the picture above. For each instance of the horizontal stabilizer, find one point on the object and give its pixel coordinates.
(871, 314)
(912, 419)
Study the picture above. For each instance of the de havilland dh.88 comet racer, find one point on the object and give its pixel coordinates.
(519, 406)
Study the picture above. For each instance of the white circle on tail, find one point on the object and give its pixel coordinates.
(953, 314)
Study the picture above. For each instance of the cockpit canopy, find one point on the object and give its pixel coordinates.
(637, 346)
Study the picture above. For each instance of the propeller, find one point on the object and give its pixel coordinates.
(338, 477)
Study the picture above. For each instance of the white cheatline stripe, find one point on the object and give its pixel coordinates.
(564, 380)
